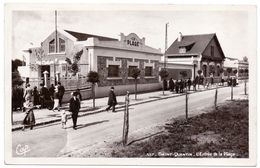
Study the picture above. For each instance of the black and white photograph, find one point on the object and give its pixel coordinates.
(130, 84)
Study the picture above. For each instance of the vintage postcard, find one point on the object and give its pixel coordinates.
(130, 84)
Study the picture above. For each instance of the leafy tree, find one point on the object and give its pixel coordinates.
(229, 70)
(245, 59)
(16, 79)
(15, 64)
(246, 70)
(135, 72)
(235, 71)
(75, 64)
(199, 72)
(211, 69)
(93, 77)
(220, 70)
(164, 74)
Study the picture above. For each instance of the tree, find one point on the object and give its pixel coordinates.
(135, 72)
(221, 70)
(235, 71)
(229, 70)
(245, 59)
(15, 64)
(211, 69)
(164, 74)
(93, 77)
(16, 78)
(75, 64)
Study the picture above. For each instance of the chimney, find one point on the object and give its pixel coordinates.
(180, 37)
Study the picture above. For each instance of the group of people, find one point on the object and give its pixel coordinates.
(33, 98)
(177, 85)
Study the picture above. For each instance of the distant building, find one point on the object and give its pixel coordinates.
(235, 64)
(113, 59)
(191, 53)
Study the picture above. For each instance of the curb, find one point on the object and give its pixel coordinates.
(15, 128)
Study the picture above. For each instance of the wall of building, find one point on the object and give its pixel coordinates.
(207, 51)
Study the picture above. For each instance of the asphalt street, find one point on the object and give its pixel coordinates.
(51, 140)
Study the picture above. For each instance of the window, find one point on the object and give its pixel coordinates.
(113, 71)
(182, 50)
(130, 70)
(148, 71)
(52, 46)
(212, 50)
(62, 45)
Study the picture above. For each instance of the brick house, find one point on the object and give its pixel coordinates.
(113, 59)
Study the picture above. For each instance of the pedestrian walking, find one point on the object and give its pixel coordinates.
(61, 90)
(36, 96)
(171, 84)
(28, 93)
(29, 118)
(189, 83)
(56, 100)
(64, 119)
(177, 86)
(74, 108)
(112, 102)
(181, 86)
(51, 91)
(44, 96)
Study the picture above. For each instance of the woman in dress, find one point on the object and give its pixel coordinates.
(29, 118)
(28, 93)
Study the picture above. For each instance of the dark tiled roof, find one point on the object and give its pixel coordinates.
(84, 37)
(200, 43)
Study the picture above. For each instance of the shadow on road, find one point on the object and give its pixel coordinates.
(89, 124)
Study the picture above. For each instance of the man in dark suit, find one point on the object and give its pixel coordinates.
(74, 108)
(111, 100)
(61, 91)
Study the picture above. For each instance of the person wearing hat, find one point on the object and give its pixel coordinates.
(74, 107)
(29, 118)
(112, 102)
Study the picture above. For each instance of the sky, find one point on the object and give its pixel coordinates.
(232, 24)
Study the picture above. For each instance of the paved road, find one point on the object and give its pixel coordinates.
(50, 140)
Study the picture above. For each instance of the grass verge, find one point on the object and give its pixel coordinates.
(221, 133)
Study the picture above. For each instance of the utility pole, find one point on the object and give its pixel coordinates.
(165, 57)
(56, 33)
(166, 46)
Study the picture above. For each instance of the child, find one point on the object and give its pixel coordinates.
(63, 119)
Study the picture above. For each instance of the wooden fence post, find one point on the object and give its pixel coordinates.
(126, 120)
(216, 97)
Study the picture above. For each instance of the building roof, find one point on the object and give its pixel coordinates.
(84, 36)
(196, 44)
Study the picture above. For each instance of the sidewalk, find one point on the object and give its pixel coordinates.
(45, 116)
